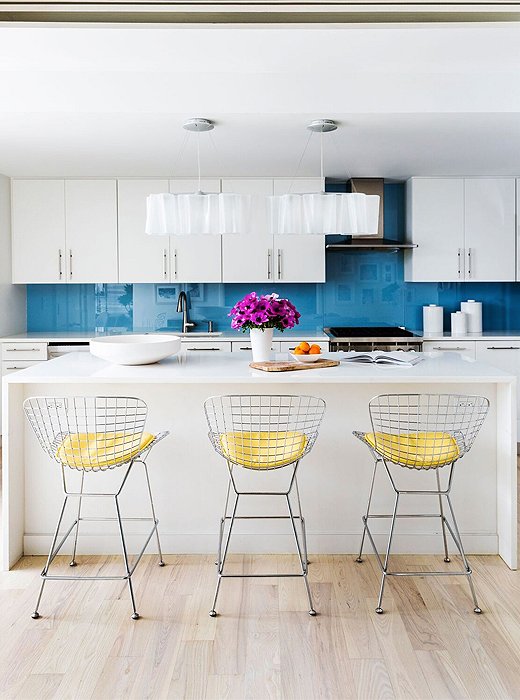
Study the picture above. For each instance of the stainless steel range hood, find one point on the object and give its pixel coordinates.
(368, 185)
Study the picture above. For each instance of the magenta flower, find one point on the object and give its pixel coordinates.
(267, 311)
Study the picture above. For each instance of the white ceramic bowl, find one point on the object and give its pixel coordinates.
(135, 349)
(307, 358)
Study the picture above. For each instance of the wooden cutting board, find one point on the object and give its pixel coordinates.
(292, 366)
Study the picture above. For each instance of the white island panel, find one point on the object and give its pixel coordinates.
(189, 479)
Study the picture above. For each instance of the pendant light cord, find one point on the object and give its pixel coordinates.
(321, 162)
(300, 161)
(199, 189)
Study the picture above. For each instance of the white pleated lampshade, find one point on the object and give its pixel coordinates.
(355, 214)
(198, 213)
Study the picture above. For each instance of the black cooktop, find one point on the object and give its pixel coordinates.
(370, 332)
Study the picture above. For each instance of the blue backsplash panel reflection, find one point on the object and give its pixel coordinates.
(362, 288)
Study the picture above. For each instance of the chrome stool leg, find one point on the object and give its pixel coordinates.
(73, 560)
(222, 557)
(135, 614)
(303, 561)
(365, 518)
(302, 521)
(52, 554)
(384, 573)
(443, 522)
(161, 561)
(458, 541)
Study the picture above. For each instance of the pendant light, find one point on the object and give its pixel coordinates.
(352, 213)
(170, 214)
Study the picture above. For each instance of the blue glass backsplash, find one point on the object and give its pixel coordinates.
(363, 288)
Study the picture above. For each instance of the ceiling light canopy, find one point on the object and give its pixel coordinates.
(170, 214)
(352, 213)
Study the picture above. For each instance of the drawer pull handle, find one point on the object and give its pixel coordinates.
(199, 349)
(450, 349)
(511, 347)
(22, 349)
(15, 368)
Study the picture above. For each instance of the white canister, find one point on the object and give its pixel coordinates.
(473, 310)
(459, 323)
(433, 323)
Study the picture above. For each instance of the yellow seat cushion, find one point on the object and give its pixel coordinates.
(98, 450)
(263, 450)
(418, 450)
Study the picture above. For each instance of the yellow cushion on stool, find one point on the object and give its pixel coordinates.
(93, 450)
(263, 450)
(418, 450)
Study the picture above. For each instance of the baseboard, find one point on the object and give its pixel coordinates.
(344, 543)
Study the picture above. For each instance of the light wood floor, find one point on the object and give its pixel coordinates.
(429, 643)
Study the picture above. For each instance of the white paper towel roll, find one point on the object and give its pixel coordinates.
(433, 320)
(459, 323)
(473, 310)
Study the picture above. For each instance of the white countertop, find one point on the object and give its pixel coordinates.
(227, 368)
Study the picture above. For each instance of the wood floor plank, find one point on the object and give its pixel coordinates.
(263, 645)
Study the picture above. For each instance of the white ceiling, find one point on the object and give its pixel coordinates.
(412, 99)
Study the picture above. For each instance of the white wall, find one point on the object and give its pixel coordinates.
(13, 314)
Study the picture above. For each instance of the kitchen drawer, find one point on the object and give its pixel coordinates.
(466, 348)
(206, 346)
(289, 345)
(24, 351)
(10, 366)
(246, 345)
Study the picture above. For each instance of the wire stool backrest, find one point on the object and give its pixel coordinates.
(434, 417)
(288, 424)
(88, 432)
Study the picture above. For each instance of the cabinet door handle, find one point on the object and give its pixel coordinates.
(70, 263)
(165, 264)
(60, 263)
(459, 258)
(269, 263)
(450, 349)
(279, 264)
(511, 347)
(469, 262)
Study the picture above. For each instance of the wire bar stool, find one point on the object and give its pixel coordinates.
(263, 433)
(89, 435)
(422, 432)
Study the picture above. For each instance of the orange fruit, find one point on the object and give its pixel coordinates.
(304, 346)
(298, 351)
(315, 350)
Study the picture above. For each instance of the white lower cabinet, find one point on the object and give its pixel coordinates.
(503, 354)
(206, 346)
(466, 348)
(237, 346)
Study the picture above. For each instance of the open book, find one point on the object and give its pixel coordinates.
(398, 358)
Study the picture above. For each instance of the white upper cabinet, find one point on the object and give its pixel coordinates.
(64, 231)
(195, 258)
(464, 229)
(435, 222)
(91, 230)
(142, 258)
(248, 257)
(298, 258)
(489, 226)
(38, 230)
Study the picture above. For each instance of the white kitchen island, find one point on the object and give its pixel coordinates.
(189, 479)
